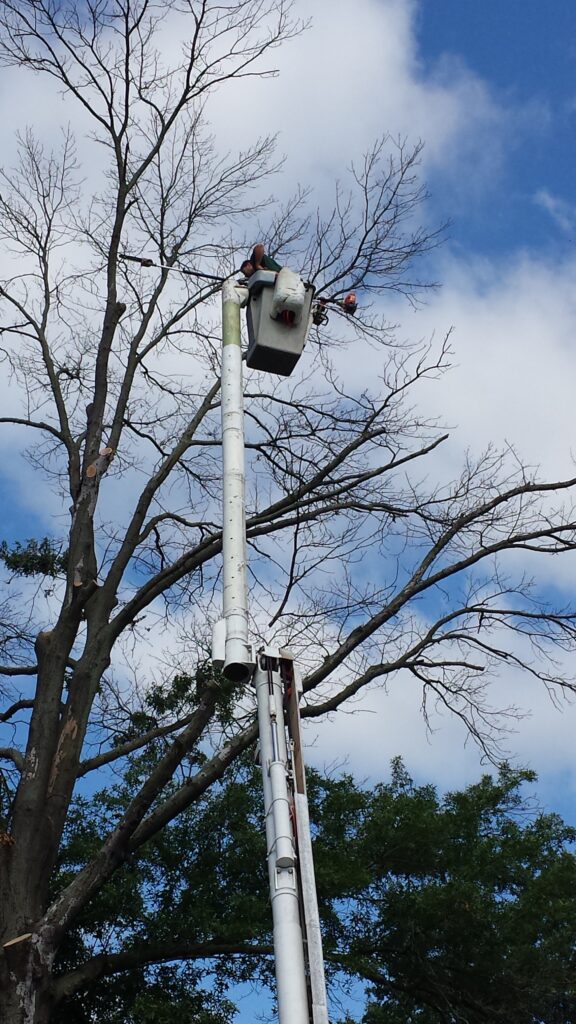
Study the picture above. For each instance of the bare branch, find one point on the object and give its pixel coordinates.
(11, 754)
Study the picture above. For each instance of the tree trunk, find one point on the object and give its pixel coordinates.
(25, 977)
(26, 955)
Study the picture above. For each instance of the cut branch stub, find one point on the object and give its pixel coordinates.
(100, 465)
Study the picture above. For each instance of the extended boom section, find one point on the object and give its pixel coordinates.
(297, 940)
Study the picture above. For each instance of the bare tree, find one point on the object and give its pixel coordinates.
(117, 368)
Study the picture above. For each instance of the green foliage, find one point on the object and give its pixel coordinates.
(177, 699)
(170, 996)
(452, 910)
(470, 911)
(181, 694)
(162, 995)
(202, 880)
(34, 558)
(173, 697)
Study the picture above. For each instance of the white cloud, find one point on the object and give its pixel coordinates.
(514, 325)
(354, 76)
(513, 368)
(562, 213)
(512, 380)
(387, 723)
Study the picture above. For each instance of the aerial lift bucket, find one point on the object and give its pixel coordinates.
(278, 317)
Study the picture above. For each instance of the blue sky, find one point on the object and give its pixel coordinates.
(526, 52)
(521, 46)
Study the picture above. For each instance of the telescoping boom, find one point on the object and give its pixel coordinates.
(301, 988)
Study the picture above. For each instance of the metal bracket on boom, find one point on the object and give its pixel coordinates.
(247, 660)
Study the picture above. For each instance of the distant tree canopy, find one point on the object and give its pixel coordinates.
(453, 909)
(468, 912)
(34, 558)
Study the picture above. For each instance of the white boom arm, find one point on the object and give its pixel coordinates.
(301, 988)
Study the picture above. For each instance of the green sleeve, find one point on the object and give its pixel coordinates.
(269, 264)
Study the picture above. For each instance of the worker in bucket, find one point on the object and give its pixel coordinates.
(289, 291)
(259, 260)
